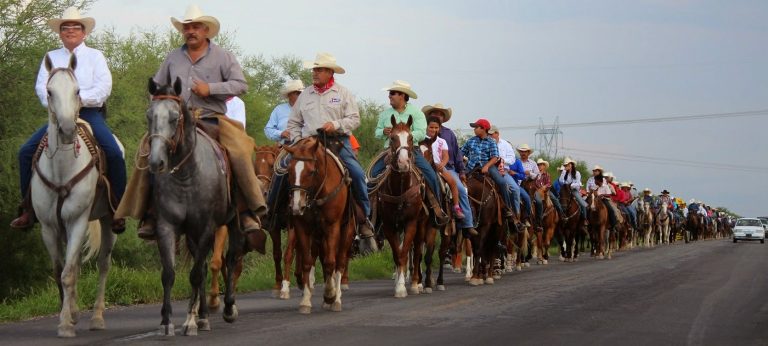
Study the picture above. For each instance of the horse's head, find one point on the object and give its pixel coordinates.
(264, 163)
(166, 121)
(303, 173)
(400, 144)
(592, 197)
(63, 99)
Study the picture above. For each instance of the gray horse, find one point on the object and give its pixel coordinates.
(191, 197)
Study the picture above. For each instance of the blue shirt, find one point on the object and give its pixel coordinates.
(278, 121)
(455, 161)
(479, 151)
(517, 171)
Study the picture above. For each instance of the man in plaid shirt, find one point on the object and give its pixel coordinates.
(481, 151)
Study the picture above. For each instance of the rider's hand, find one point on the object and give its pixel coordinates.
(484, 170)
(285, 134)
(387, 131)
(328, 127)
(200, 88)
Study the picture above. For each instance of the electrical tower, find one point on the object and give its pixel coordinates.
(549, 139)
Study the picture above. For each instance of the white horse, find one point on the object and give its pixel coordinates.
(662, 224)
(646, 223)
(64, 197)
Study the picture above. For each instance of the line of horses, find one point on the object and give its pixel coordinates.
(193, 197)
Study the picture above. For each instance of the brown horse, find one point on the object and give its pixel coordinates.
(570, 231)
(263, 163)
(598, 224)
(486, 211)
(322, 215)
(548, 225)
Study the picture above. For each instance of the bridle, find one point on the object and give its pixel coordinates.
(178, 135)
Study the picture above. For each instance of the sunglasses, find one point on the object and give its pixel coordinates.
(393, 93)
(71, 28)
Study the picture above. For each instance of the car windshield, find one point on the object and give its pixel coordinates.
(749, 222)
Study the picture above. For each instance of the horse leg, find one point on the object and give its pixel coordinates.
(417, 248)
(288, 255)
(394, 242)
(350, 238)
(55, 251)
(104, 262)
(478, 253)
(166, 245)
(234, 264)
(304, 250)
(216, 262)
(445, 242)
(197, 306)
(330, 244)
(69, 312)
(277, 257)
(430, 240)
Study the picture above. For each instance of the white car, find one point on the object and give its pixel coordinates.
(749, 229)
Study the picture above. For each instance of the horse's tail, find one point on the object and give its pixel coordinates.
(93, 244)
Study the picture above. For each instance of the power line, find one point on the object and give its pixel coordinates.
(761, 112)
(671, 160)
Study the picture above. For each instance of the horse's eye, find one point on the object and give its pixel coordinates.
(49, 93)
(77, 92)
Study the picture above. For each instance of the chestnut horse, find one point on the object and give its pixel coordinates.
(598, 224)
(322, 215)
(551, 219)
(486, 211)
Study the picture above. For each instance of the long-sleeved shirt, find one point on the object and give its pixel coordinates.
(455, 159)
(506, 152)
(236, 110)
(517, 171)
(591, 184)
(418, 127)
(278, 122)
(573, 181)
(605, 190)
(312, 110)
(479, 151)
(92, 73)
(618, 195)
(543, 180)
(531, 166)
(217, 67)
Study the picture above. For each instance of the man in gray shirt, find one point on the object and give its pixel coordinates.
(209, 75)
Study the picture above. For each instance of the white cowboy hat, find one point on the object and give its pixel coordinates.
(438, 107)
(541, 162)
(524, 147)
(647, 190)
(598, 168)
(72, 14)
(568, 160)
(403, 87)
(493, 130)
(630, 183)
(325, 60)
(291, 86)
(624, 184)
(609, 175)
(195, 15)
(560, 168)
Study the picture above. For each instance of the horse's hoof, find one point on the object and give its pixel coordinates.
(402, 293)
(526, 264)
(519, 268)
(457, 270)
(189, 329)
(497, 276)
(97, 323)
(305, 310)
(285, 295)
(489, 281)
(428, 290)
(563, 259)
(345, 287)
(326, 306)
(475, 282)
(167, 330)
(421, 288)
(544, 262)
(204, 325)
(336, 307)
(229, 318)
(441, 287)
(414, 291)
(467, 278)
(67, 331)
(213, 303)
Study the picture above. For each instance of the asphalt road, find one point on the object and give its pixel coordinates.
(710, 292)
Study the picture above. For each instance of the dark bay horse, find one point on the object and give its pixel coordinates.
(403, 216)
(73, 210)
(191, 197)
(486, 211)
(570, 231)
(323, 217)
(551, 219)
(598, 223)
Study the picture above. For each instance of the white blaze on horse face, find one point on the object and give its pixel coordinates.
(296, 201)
(402, 152)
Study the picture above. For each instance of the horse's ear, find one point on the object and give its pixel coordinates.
(410, 120)
(152, 86)
(177, 86)
(48, 64)
(392, 120)
(72, 62)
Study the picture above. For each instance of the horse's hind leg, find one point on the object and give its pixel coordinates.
(233, 259)
(277, 257)
(103, 262)
(220, 238)
(288, 255)
(445, 242)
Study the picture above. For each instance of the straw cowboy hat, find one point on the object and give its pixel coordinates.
(524, 147)
(291, 86)
(403, 87)
(195, 15)
(542, 162)
(325, 60)
(493, 130)
(72, 14)
(598, 168)
(609, 175)
(624, 184)
(568, 160)
(647, 190)
(438, 107)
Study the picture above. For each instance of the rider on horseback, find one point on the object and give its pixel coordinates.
(400, 93)
(508, 167)
(627, 204)
(605, 192)
(571, 178)
(541, 181)
(95, 82)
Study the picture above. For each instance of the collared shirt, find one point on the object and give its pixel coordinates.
(531, 166)
(543, 180)
(217, 67)
(591, 184)
(573, 181)
(506, 152)
(418, 127)
(312, 110)
(604, 190)
(479, 151)
(92, 73)
(455, 159)
(278, 121)
(236, 110)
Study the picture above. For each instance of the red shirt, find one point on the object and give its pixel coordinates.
(619, 196)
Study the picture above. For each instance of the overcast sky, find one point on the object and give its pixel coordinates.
(515, 62)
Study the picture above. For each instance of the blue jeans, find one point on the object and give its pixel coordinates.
(526, 200)
(429, 174)
(463, 201)
(580, 200)
(631, 212)
(540, 205)
(514, 191)
(502, 184)
(115, 163)
(611, 213)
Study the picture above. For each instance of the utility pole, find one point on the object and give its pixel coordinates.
(549, 139)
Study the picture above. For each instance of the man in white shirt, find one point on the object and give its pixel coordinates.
(236, 109)
(596, 171)
(507, 155)
(95, 82)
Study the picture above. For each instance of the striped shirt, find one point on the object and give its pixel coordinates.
(479, 151)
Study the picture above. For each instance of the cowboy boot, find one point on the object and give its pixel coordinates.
(471, 231)
(367, 240)
(25, 220)
(440, 217)
(147, 225)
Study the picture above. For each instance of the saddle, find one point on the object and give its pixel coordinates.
(486, 180)
(85, 133)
